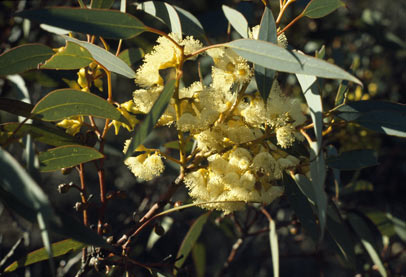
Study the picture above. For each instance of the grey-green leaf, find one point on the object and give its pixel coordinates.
(190, 24)
(274, 57)
(321, 8)
(273, 241)
(72, 56)
(237, 20)
(353, 160)
(166, 12)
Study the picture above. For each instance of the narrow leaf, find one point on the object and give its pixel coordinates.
(67, 156)
(101, 4)
(166, 12)
(23, 58)
(274, 57)
(58, 248)
(353, 160)
(267, 32)
(273, 241)
(237, 20)
(16, 107)
(321, 8)
(152, 118)
(199, 259)
(105, 58)
(190, 24)
(106, 23)
(190, 239)
(341, 92)
(63, 103)
(72, 56)
(132, 55)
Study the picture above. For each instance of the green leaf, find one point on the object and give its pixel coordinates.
(367, 238)
(380, 116)
(190, 24)
(132, 55)
(273, 241)
(152, 118)
(67, 156)
(105, 58)
(399, 225)
(164, 12)
(353, 160)
(23, 58)
(321, 8)
(58, 248)
(16, 107)
(267, 32)
(237, 20)
(383, 222)
(106, 23)
(274, 57)
(101, 4)
(41, 133)
(190, 239)
(341, 92)
(199, 259)
(72, 56)
(63, 103)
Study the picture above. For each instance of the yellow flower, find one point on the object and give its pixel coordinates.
(132, 120)
(72, 124)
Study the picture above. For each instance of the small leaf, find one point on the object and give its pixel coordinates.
(23, 58)
(105, 58)
(277, 58)
(273, 241)
(152, 118)
(190, 239)
(267, 32)
(58, 248)
(353, 160)
(63, 103)
(237, 20)
(341, 92)
(321, 8)
(106, 23)
(190, 24)
(379, 116)
(71, 57)
(132, 55)
(101, 4)
(399, 225)
(67, 156)
(166, 12)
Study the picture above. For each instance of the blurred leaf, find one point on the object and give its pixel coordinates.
(72, 56)
(380, 116)
(382, 222)
(152, 118)
(342, 90)
(63, 103)
(175, 145)
(190, 24)
(321, 8)
(132, 55)
(353, 160)
(23, 58)
(16, 107)
(58, 248)
(105, 58)
(267, 32)
(199, 259)
(273, 241)
(237, 20)
(67, 156)
(101, 4)
(41, 133)
(106, 23)
(190, 239)
(274, 57)
(165, 12)
(54, 30)
(366, 236)
(399, 226)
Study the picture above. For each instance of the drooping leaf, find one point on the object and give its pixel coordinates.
(72, 56)
(273, 241)
(190, 239)
(342, 90)
(131, 56)
(67, 156)
(16, 107)
(105, 58)
(58, 248)
(399, 225)
(165, 12)
(274, 57)
(101, 4)
(353, 160)
(23, 58)
(190, 24)
(267, 32)
(237, 20)
(62, 103)
(152, 118)
(199, 259)
(53, 29)
(321, 8)
(380, 116)
(382, 221)
(100, 22)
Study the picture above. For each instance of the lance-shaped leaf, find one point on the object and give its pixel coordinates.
(273, 241)
(105, 58)
(106, 23)
(190, 24)
(383, 117)
(62, 103)
(274, 57)
(132, 55)
(23, 58)
(190, 239)
(58, 249)
(267, 32)
(16, 107)
(152, 118)
(72, 56)
(321, 8)
(165, 12)
(67, 156)
(237, 20)
(353, 160)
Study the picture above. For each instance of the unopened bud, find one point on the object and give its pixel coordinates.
(66, 170)
(63, 188)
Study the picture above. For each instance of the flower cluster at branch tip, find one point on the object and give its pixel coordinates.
(232, 129)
